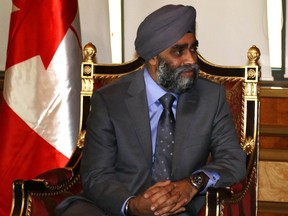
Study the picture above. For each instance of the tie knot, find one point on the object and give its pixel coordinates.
(167, 100)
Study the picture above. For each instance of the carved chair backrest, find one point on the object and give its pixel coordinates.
(241, 83)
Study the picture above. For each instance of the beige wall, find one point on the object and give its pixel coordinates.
(225, 28)
(5, 10)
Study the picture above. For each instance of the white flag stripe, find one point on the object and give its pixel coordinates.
(49, 101)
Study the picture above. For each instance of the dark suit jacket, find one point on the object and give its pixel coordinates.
(117, 155)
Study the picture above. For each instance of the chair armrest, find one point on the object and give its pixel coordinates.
(235, 200)
(41, 195)
(58, 177)
(45, 191)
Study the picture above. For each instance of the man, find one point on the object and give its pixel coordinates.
(120, 165)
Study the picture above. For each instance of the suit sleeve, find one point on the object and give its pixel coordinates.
(99, 180)
(228, 158)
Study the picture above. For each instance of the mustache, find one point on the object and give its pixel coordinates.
(187, 67)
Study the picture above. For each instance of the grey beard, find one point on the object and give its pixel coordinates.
(171, 79)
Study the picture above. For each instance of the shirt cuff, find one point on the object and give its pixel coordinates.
(123, 206)
(213, 179)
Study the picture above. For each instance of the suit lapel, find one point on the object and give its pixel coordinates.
(185, 114)
(136, 102)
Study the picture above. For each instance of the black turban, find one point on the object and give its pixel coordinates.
(162, 28)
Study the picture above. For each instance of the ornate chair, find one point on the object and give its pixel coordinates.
(41, 195)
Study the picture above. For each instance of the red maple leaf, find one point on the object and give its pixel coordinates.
(38, 28)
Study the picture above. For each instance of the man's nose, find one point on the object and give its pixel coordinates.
(191, 57)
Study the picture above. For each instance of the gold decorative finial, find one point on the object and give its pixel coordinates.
(81, 139)
(249, 145)
(253, 55)
(89, 52)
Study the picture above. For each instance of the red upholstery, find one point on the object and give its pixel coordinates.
(242, 199)
(58, 176)
(234, 98)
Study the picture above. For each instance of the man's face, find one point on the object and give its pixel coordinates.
(177, 70)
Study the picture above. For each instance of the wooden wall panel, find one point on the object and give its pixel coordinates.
(273, 181)
(273, 142)
(274, 111)
(273, 152)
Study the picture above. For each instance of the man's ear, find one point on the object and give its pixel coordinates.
(153, 61)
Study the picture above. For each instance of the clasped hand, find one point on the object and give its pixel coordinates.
(162, 199)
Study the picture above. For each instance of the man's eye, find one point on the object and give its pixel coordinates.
(179, 52)
(193, 49)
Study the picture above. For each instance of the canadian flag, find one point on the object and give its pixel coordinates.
(39, 114)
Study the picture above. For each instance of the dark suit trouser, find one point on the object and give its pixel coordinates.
(82, 207)
(77, 205)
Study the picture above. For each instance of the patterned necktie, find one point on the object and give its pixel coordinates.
(161, 169)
